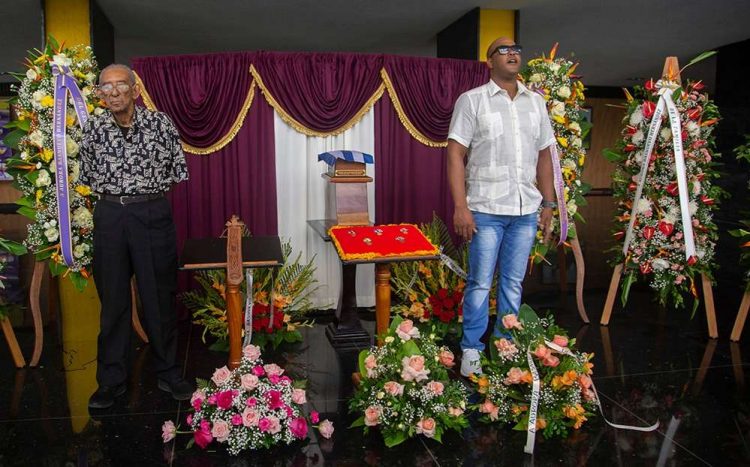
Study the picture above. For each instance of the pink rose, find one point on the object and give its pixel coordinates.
(584, 381)
(285, 380)
(561, 341)
(273, 369)
(249, 381)
(393, 388)
(372, 416)
(275, 425)
(406, 330)
(274, 400)
(251, 402)
(326, 429)
(236, 419)
(413, 368)
(435, 387)
(506, 348)
(221, 375)
(224, 399)
(274, 379)
(298, 396)
(514, 376)
(542, 352)
(258, 370)
(298, 427)
(220, 431)
(455, 411)
(189, 419)
(446, 358)
(168, 431)
(251, 352)
(250, 417)
(314, 417)
(212, 400)
(588, 395)
(199, 394)
(510, 321)
(426, 427)
(196, 403)
(551, 361)
(370, 364)
(289, 412)
(264, 424)
(490, 409)
(202, 435)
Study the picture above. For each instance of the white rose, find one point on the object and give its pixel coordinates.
(557, 109)
(80, 250)
(637, 137)
(576, 142)
(575, 127)
(36, 138)
(692, 207)
(71, 146)
(660, 264)
(636, 117)
(86, 91)
(51, 234)
(569, 164)
(43, 179)
(98, 111)
(62, 60)
(90, 77)
(572, 209)
(83, 218)
(554, 67)
(31, 74)
(564, 92)
(536, 78)
(665, 133)
(38, 95)
(74, 171)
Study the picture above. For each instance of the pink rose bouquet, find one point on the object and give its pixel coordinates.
(405, 389)
(254, 406)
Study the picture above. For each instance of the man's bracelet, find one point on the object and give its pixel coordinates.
(549, 204)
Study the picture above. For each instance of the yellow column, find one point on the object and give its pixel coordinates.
(68, 22)
(494, 24)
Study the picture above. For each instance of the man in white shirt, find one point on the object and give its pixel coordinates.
(503, 131)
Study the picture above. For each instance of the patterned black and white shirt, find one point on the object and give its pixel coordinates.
(147, 159)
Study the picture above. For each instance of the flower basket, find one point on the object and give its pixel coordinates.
(566, 397)
(252, 407)
(405, 390)
(287, 288)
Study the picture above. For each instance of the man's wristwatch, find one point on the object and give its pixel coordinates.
(549, 204)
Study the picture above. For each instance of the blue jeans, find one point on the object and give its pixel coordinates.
(504, 239)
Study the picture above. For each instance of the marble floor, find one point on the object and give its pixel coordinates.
(650, 363)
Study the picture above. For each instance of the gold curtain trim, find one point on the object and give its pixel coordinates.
(224, 140)
(299, 127)
(416, 134)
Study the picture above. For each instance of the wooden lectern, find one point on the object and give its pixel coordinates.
(233, 253)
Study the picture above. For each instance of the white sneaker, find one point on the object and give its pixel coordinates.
(470, 363)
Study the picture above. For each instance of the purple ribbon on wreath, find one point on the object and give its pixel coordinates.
(562, 207)
(64, 83)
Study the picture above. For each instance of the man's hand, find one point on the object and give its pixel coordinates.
(463, 221)
(545, 222)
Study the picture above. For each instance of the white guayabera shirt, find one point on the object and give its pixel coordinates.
(503, 138)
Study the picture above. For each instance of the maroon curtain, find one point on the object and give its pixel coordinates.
(410, 178)
(428, 87)
(322, 91)
(202, 93)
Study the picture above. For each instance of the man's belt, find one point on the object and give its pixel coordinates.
(130, 199)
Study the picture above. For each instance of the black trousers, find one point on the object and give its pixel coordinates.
(138, 239)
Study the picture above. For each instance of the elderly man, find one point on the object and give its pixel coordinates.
(131, 156)
(503, 131)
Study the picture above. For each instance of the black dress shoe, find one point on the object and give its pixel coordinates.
(180, 389)
(104, 397)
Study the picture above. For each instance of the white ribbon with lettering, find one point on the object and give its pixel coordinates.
(665, 102)
(535, 394)
(248, 307)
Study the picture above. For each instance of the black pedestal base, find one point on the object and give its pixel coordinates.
(351, 339)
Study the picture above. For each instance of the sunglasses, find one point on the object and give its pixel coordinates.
(109, 88)
(506, 49)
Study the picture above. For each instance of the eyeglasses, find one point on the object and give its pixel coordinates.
(506, 49)
(108, 88)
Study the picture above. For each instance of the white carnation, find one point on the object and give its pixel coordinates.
(31, 74)
(576, 142)
(62, 60)
(643, 205)
(536, 78)
(554, 67)
(36, 138)
(51, 234)
(83, 218)
(693, 129)
(665, 134)
(660, 264)
(637, 137)
(98, 111)
(636, 117)
(692, 207)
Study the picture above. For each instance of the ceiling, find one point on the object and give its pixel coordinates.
(614, 40)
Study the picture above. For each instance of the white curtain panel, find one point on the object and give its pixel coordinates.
(300, 196)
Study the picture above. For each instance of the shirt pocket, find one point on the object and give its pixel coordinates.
(489, 183)
(490, 125)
